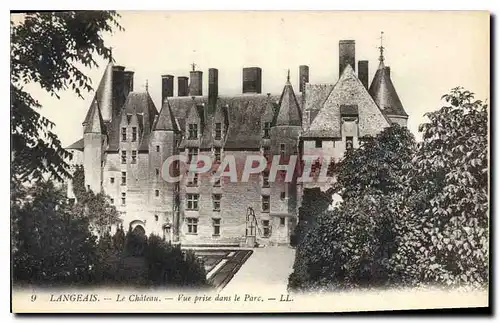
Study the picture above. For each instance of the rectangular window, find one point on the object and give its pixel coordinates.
(282, 150)
(216, 181)
(192, 154)
(124, 197)
(265, 228)
(216, 198)
(157, 173)
(194, 180)
(216, 225)
(112, 201)
(267, 153)
(124, 156)
(193, 131)
(112, 180)
(124, 134)
(318, 143)
(157, 193)
(192, 201)
(134, 156)
(217, 154)
(265, 203)
(267, 128)
(134, 133)
(282, 221)
(283, 195)
(192, 224)
(348, 143)
(157, 149)
(124, 178)
(218, 131)
(265, 178)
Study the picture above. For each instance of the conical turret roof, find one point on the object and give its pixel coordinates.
(289, 113)
(384, 94)
(95, 123)
(166, 119)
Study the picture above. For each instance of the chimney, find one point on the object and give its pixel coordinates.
(213, 88)
(196, 83)
(303, 77)
(128, 82)
(347, 55)
(252, 80)
(182, 86)
(119, 95)
(167, 87)
(363, 73)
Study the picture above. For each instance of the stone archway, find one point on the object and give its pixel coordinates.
(137, 239)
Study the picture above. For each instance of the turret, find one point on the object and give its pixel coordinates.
(94, 138)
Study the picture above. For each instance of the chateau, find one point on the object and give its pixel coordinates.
(126, 141)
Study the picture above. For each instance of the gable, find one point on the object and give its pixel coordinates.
(348, 91)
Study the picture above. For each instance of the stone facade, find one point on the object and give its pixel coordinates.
(123, 154)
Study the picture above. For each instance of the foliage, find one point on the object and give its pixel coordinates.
(168, 265)
(314, 202)
(350, 245)
(96, 207)
(447, 240)
(49, 49)
(412, 214)
(52, 245)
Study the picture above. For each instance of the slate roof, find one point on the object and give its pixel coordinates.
(94, 124)
(384, 94)
(166, 120)
(78, 145)
(315, 96)
(244, 114)
(348, 91)
(104, 94)
(141, 105)
(289, 113)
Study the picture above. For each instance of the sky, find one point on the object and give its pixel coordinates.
(428, 52)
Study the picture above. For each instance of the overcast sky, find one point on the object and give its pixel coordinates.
(428, 52)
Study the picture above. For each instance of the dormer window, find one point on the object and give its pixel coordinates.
(266, 130)
(124, 134)
(193, 131)
(218, 131)
(134, 133)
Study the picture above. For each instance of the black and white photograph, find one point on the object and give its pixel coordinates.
(249, 161)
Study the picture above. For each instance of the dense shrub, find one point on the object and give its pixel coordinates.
(411, 214)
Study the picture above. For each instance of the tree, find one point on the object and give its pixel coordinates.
(350, 245)
(314, 202)
(49, 48)
(96, 207)
(52, 245)
(446, 230)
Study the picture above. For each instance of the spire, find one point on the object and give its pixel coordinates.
(382, 89)
(147, 85)
(289, 110)
(111, 54)
(166, 120)
(381, 49)
(94, 124)
(104, 94)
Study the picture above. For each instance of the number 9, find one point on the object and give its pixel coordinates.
(33, 298)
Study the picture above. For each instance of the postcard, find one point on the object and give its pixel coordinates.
(249, 161)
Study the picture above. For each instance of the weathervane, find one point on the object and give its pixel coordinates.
(381, 48)
(146, 85)
(193, 66)
(288, 76)
(110, 54)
